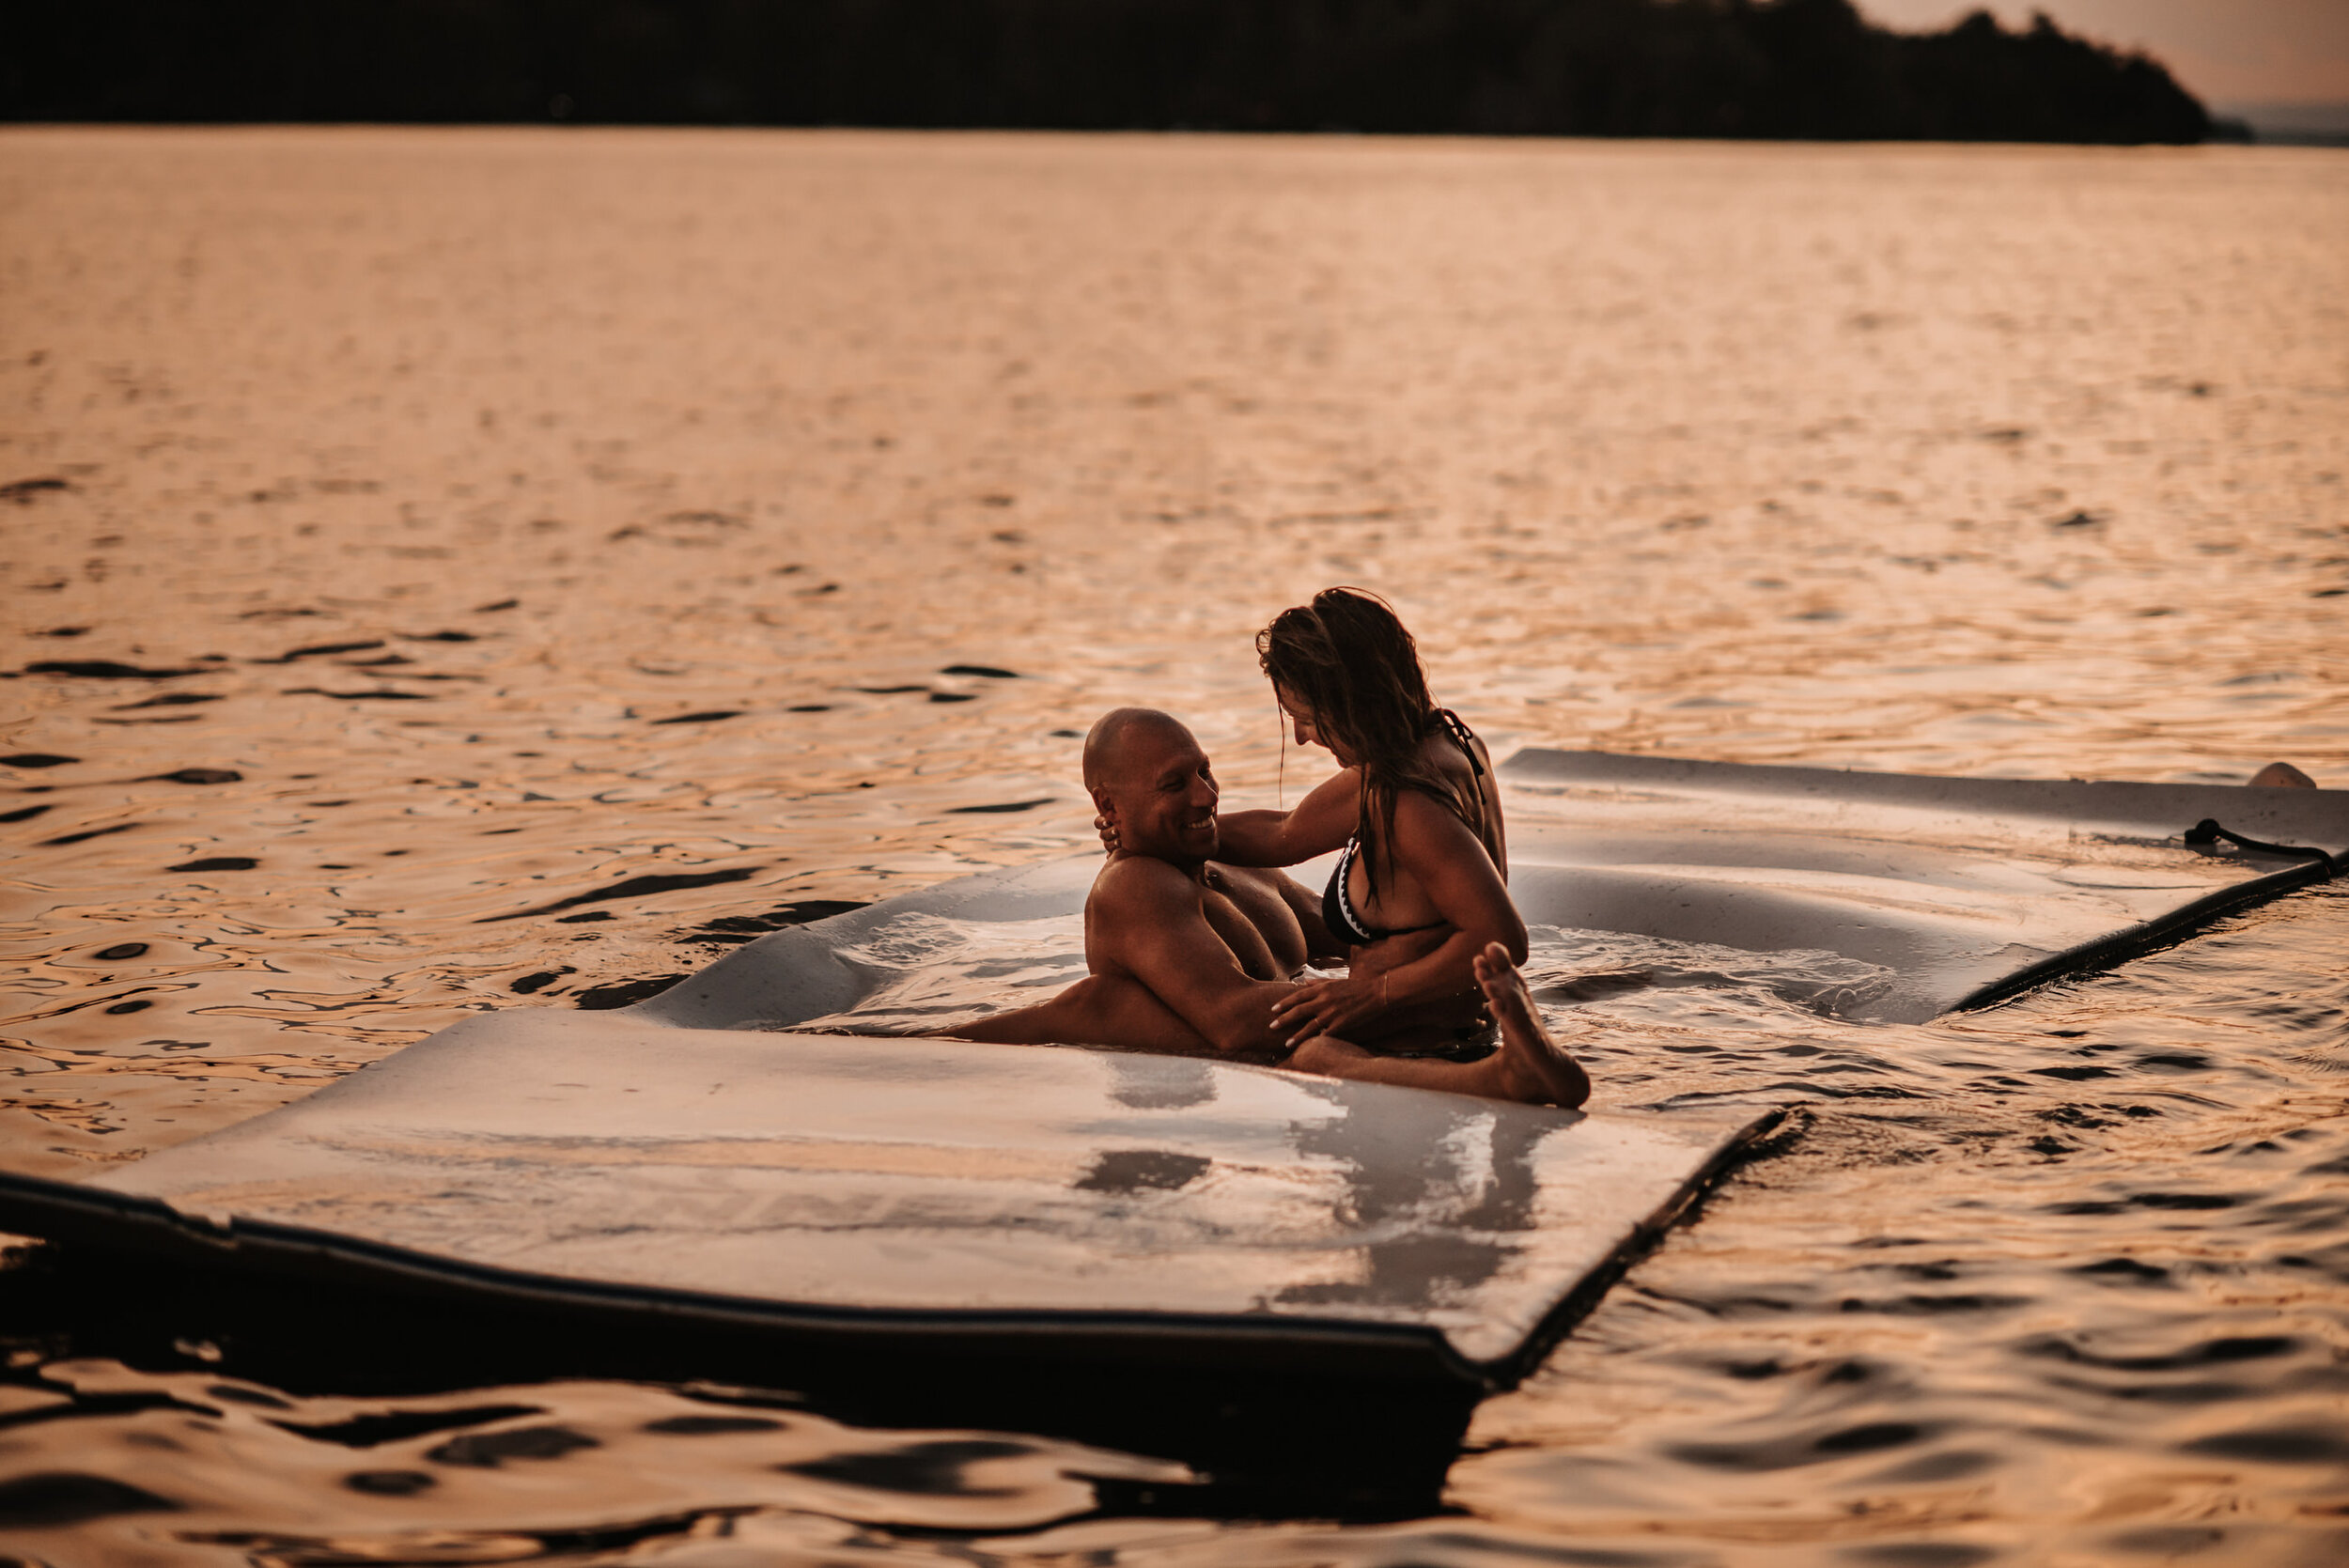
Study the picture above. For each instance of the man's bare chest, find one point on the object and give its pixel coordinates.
(1254, 923)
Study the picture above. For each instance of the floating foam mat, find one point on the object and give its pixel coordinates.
(1962, 891)
(691, 1159)
(852, 1187)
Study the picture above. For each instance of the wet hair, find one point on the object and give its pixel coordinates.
(1355, 667)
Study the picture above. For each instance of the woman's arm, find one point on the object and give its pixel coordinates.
(1319, 823)
(1451, 868)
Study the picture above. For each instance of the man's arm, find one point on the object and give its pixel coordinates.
(1145, 921)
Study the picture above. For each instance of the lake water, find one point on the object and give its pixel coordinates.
(448, 525)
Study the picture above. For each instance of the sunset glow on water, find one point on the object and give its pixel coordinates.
(426, 532)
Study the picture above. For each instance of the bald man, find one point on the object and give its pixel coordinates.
(1185, 954)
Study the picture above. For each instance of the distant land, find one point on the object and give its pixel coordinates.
(1812, 70)
(2235, 55)
(2300, 124)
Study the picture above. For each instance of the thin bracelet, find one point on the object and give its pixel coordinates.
(1382, 989)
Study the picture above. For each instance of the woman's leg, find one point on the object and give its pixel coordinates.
(1529, 1066)
(1099, 1010)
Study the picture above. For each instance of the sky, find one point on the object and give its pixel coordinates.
(2228, 53)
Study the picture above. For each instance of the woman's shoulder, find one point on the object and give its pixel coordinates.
(1423, 811)
(1455, 754)
(1450, 732)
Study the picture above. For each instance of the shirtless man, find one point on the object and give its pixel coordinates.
(1184, 954)
(1187, 956)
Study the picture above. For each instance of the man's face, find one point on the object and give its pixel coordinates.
(1163, 796)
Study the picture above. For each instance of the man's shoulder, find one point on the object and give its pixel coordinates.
(1141, 880)
(1139, 886)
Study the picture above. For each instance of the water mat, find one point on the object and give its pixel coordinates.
(1959, 891)
(699, 1158)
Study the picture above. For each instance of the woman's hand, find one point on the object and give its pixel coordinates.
(1329, 1006)
(1108, 830)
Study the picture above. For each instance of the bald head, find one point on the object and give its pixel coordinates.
(1149, 777)
(1119, 735)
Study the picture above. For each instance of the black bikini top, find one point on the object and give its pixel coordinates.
(1337, 905)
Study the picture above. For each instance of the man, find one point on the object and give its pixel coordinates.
(1187, 955)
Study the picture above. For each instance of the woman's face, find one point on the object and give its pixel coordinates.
(1301, 718)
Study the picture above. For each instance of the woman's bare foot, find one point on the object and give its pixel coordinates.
(1532, 1067)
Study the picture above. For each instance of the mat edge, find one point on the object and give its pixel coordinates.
(1505, 1372)
(2143, 937)
(76, 1214)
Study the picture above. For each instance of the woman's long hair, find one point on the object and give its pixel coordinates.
(1353, 666)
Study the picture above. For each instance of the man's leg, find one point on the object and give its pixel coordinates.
(1529, 1066)
(1099, 1010)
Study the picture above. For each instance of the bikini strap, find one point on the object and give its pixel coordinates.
(1463, 737)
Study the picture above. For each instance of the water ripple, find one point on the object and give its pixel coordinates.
(471, 568)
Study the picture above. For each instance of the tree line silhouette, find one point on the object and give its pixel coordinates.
(1773, 69)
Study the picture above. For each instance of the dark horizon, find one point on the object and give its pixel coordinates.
(1767, 69)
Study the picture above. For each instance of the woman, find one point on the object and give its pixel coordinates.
(1420, 900)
